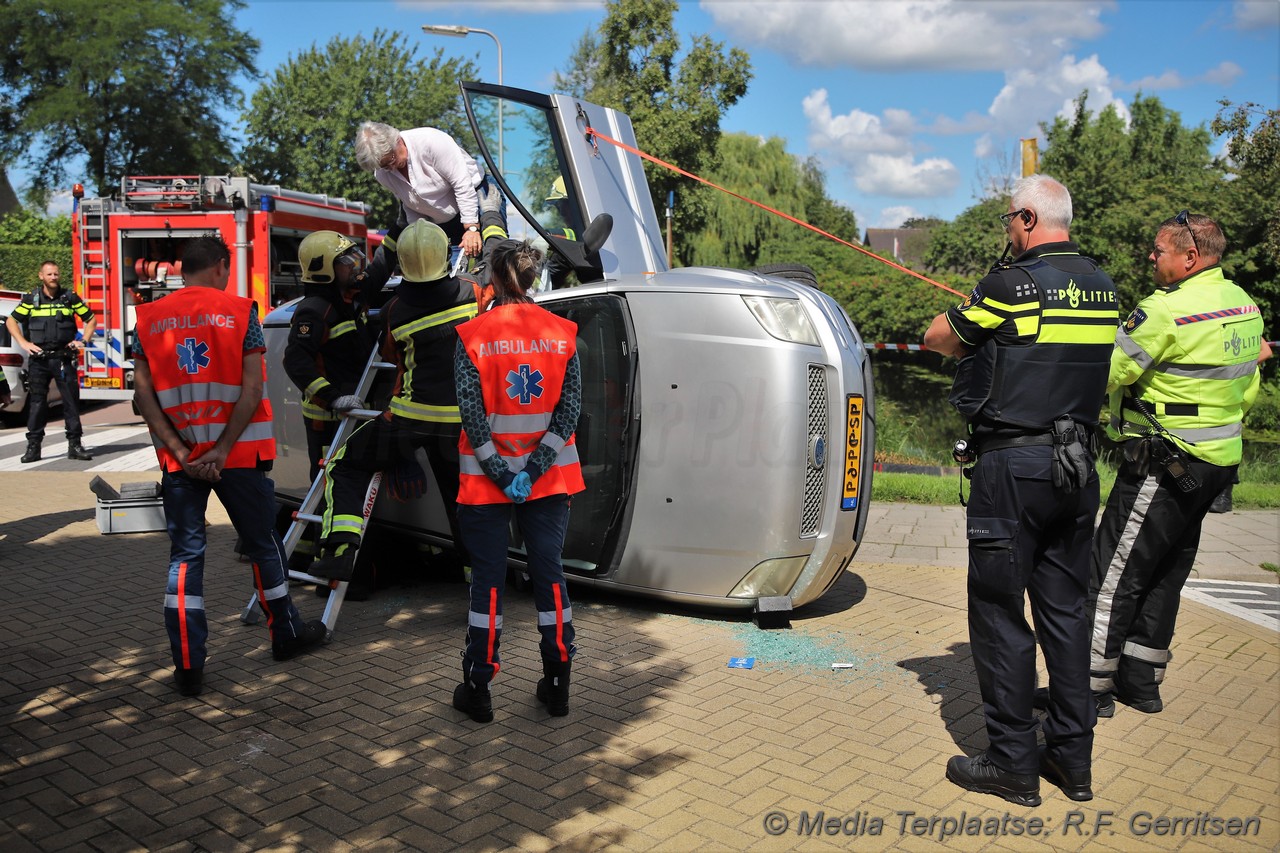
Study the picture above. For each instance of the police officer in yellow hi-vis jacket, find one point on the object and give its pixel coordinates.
(1183, 374)
(1035, 337)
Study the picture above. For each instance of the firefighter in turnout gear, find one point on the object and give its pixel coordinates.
(1183, 375)
(329, 344)
(520, 395)
(419, 332)
(199, 376)
(48, 315)
(1034, 339)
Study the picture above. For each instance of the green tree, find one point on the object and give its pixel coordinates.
(1126, 180)
(675, 103)
(129, 87)
(1248, 206)
(301, 124)
(740, 235)
(24, 228)
(887, 305)
(1121, 179)
(968, 246)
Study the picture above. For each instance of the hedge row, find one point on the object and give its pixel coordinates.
(20, 265)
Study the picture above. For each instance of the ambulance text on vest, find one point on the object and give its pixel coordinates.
(222, 321)
(522, 347)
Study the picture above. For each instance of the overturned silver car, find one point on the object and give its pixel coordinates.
(727, 428)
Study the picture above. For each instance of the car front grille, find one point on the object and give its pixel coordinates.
(815, 478)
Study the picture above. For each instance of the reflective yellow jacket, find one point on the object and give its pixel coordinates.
(1189, 352)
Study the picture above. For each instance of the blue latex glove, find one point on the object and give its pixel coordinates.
(519, 489)
(406, 481)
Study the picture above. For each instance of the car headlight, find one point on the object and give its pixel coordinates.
(772, 577)
(784, 319)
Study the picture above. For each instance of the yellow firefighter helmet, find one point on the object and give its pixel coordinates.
(319, 251)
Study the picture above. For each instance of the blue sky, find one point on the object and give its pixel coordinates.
(910, 106)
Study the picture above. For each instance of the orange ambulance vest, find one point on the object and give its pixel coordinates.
(521, 352)
(193, 341)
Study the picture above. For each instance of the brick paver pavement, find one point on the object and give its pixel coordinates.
(665, 748)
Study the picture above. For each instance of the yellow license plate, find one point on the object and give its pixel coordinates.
(93, 382)
(852, 454)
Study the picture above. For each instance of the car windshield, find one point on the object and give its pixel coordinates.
(521, 140)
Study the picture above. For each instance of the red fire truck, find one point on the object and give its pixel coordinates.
(127, 250)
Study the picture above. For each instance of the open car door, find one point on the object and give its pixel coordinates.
(558, 178)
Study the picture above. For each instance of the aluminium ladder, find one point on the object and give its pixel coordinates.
(306, 513)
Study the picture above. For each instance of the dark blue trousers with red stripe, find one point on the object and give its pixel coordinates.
(249, 497)
(485, 532)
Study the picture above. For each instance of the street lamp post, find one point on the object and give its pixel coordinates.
(460, 32)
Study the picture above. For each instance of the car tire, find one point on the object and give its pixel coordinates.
(791, 272)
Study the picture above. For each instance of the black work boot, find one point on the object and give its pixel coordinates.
(1076, 784)
(190, 681)
(75, 450)
(312, 635)
(1147, 705)
(553, 687)
(981, 775)
(1222, 503)
(597, 232)
(337, 563)
(474, 701)
(33, 451)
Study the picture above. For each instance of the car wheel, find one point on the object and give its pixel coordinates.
(791, 272)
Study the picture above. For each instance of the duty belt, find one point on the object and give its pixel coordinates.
(54, 352)
(1040, 439)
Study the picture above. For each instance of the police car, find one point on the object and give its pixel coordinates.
(727, 429)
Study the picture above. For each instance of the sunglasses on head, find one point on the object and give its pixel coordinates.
(1183, 219)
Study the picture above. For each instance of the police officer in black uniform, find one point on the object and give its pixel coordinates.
(48, 315)
(1035, 339)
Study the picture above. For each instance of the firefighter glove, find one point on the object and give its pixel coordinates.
(406, 481)
(346, 403)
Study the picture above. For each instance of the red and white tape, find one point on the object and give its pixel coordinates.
(902, 347)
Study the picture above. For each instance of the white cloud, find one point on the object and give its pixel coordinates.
(528, 7)
(876, 150)
(857, 132)
(1255, 14)
(985, 147)
(893, 217)
(59, 203)
(902, 177)
(1224, 74)
(915, 35)
(1168, 80)
(1030, 96)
